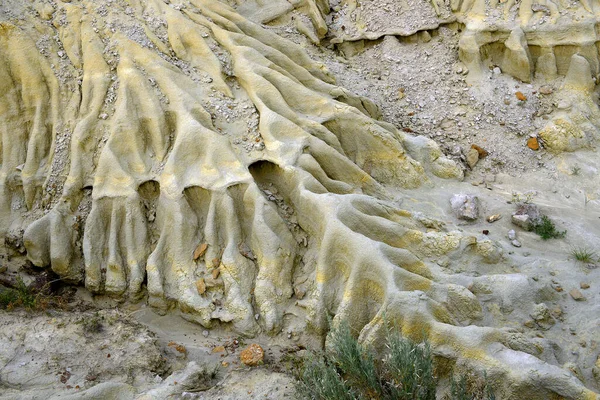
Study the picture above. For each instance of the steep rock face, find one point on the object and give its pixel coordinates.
(528, 40)
(542, 41)
(183, 150)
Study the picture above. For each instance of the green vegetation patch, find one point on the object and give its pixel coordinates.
(349, 370)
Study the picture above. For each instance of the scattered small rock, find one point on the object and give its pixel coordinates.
(252, 355)
(515, 243)
(576, 295)
(205, 333)
(219, 349)
(546, 90)
(533, 143)
(465, 206)
(512, 235)
(556, 312)
(201, 286)
(542, 316)
(536, 7)
(480, 150)
(179, 347)
(526, 215)
(520, 96)
(200, 250)
(522, 221)
(584, 285)
(493, 218)
(472, 158)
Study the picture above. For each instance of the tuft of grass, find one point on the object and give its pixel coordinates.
(575, 170)
(348, 370)
(583, 254)
(546, 229)
(20, 296)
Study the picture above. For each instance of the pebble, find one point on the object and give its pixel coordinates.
(493, 218)
(252, 355)
(512, 235)
(200, 250)
(205, 333)
(520, 96)
(584, 285)
(515, 243)
(522, 221)
(219, 349)
(465, 206)
(201, 286)
(556, 312)
(480, 150)
(576, 295)
(472, 158)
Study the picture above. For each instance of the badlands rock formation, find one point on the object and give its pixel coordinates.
(181, 151)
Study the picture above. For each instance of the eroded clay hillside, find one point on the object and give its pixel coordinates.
(266, 170)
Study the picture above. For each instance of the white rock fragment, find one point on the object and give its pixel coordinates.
(465, 206)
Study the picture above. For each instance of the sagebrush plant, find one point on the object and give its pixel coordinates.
(470, 387)
(349, 370)
(583, 254)
(546, 229)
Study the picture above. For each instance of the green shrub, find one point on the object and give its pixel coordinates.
(348, 370)
(20, 296)
(410, 369)
(7, 298)
(546, 229)
(37, 296)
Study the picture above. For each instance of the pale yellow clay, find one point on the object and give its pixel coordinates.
(177, 125)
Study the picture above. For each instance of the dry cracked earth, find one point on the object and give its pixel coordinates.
(180, 179)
